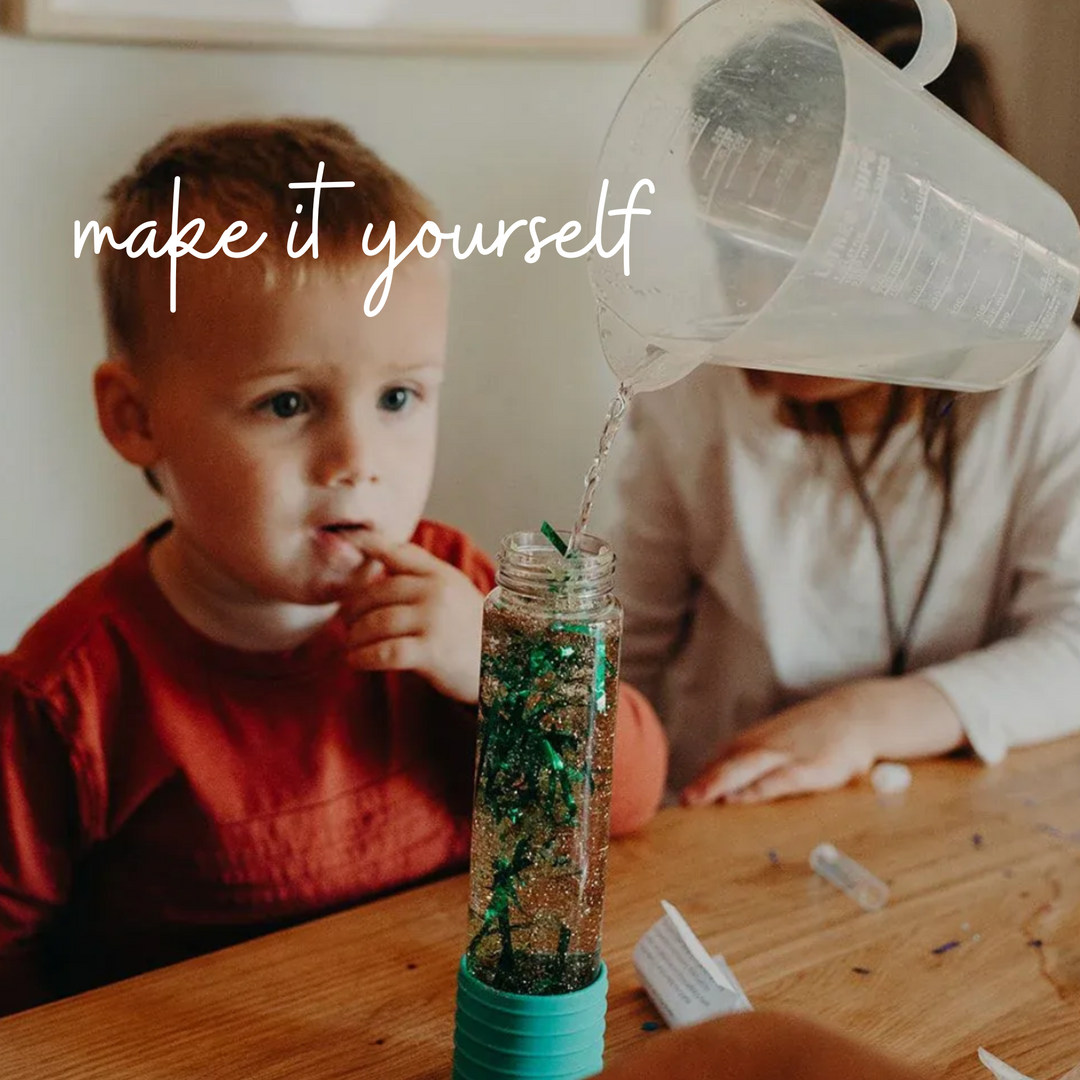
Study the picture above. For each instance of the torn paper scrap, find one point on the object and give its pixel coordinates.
(685, 983)
(999, 1068)
(1007, 1072)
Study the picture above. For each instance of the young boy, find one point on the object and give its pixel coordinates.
(263, 710)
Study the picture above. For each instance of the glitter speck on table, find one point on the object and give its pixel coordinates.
(947, 947)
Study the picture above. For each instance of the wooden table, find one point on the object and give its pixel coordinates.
(986, 858)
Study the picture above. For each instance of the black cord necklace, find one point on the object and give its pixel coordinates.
(899, 642)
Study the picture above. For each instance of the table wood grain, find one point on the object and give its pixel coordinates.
(987, 858)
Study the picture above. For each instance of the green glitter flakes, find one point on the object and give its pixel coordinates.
(548, 682)
(600, 681)
(557, 541)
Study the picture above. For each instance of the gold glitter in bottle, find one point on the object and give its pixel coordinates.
(548, 695)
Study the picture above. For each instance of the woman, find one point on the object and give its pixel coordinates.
(821, 573)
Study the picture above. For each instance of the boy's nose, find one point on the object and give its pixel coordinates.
(344, 459)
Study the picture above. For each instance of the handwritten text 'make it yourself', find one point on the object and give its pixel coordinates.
(426, 243)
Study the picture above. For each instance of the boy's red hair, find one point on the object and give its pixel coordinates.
(241, 171)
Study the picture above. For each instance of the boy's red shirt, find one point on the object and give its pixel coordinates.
(162, 795)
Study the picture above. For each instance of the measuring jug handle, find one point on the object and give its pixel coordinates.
(938, 42)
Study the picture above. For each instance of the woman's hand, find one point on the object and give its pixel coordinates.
(828, 741)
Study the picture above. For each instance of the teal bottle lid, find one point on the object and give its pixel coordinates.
(502, 1036)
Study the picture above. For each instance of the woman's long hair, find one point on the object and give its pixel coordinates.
(894, 28)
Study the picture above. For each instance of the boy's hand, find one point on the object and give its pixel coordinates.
(826, 742)
(410, 611)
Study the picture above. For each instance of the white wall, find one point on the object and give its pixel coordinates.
(1034, 46)
(485, 138)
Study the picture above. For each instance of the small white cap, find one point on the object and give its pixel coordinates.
(890, 778)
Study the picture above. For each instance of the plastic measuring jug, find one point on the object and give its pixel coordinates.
(816, 210)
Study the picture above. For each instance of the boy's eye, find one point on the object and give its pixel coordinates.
(396, 398)
(286, 405)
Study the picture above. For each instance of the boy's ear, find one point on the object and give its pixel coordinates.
(122, 413)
